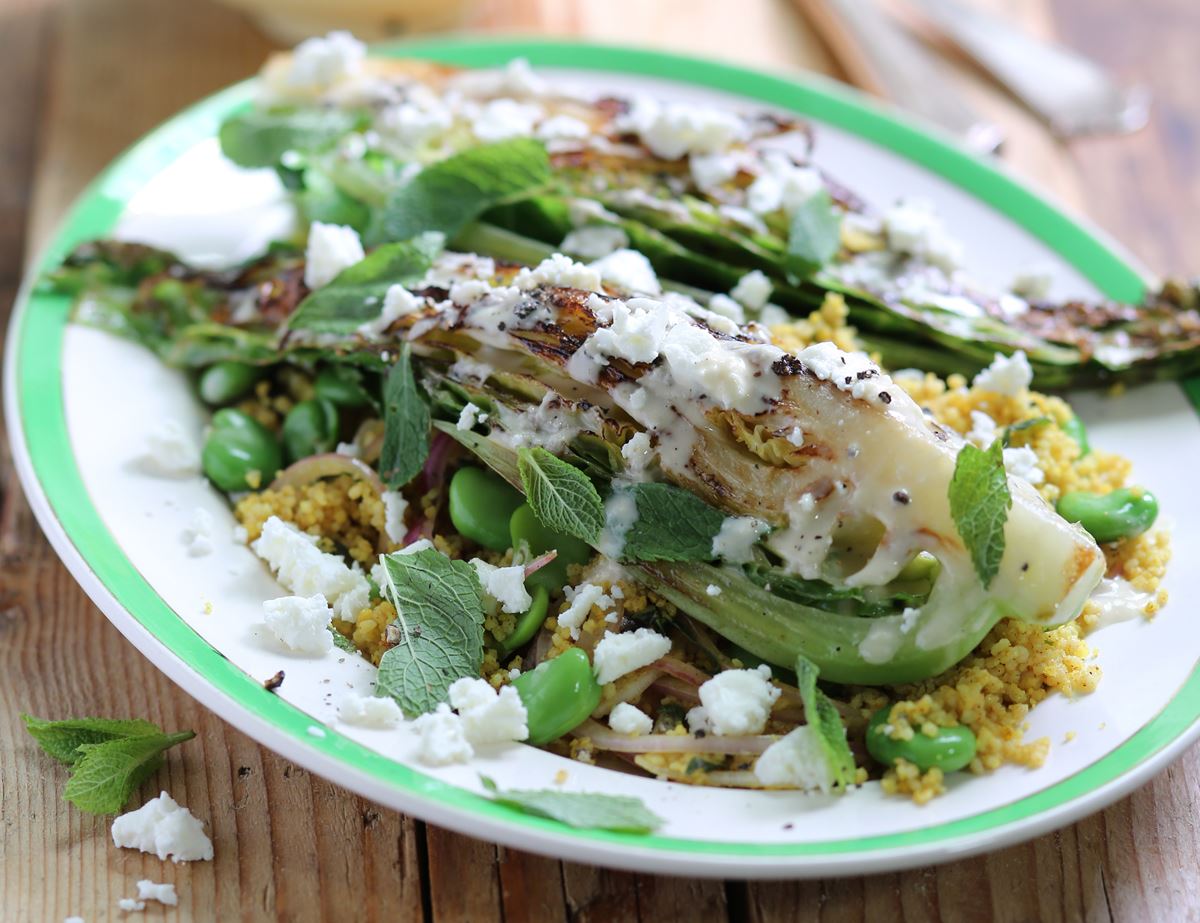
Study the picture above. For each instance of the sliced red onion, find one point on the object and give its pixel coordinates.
(539, 562)
(326, 465)
(434, 471)
(691, 675)
(628, 688)
(605, 739)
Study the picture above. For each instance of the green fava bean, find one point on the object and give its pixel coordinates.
(528, 622)
(239, 452)
(950, 750)
(558, 695)
(1107, 517)
(1075, 429)
(524, 526)
(223, 382)
(310, 428)
(341, 387)
(481, 504)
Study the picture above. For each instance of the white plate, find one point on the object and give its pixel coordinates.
(81, 404)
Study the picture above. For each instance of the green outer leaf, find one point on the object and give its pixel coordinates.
(822, 715)
(405, 423)
(356, 294)
(61, 739)
(260, 138)
(979, 503)
(672, 525)
(586, 810)
(1010, 431)
(449, 194)
(814, 236)
(439, 606)
(342, 643)
(107, 773)
(561, 495)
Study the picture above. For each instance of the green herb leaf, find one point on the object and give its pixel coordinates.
(449, 194)
(1009, 431)
(62, 739)
(822, 716)
(356, 294)
(865, 602)
(979, 504)
(439, 609)
(341, 642)
(405, 423)
(259, 138)
(107, 773)
(585, 810)
(561, 495)
(672, 525)
(814, 236)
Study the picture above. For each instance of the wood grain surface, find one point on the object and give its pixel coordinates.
(80, 80)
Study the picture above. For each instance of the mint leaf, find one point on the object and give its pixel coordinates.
(439, 609)
(562, 496)
(448, 195)
(107, 773)
(814, 236)
(822, 716)
(979, 504)
(62, 739)
(672, 525)
(260, 138)
(341, 642)
(585, 810)
(1023, 425)
(405, 423)
(356, 294)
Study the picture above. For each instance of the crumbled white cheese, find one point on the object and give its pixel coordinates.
(505, 118)
(697, 720)
(629, 271)
(1022, 462)
(710, 171)
(129, 905)
(735, 541)
(563, 128)
(319, 63)
(782, 184)
(638, 453)
(983, 429)
(914, 229)
(796, 760)
(629, 719)
(1008, 375)
(619, 654)
(712, 590)
(1011, 306)
(725, 374)
(163, 893)
(506, 585)
(516, 79)
(594, 241)
(852, 372)
(369, 711)
(675, 129)
(1033, 282)
(418, 120)
(469, 416)
(796, 436)
(198, 535)
(170, 452)
(331, 248)
(397, 302)
(738, 701)
(394, 507)
(772, 315)
(489, 715)
(558, 270)
(442, 738)
(349, 449)
(300, 623)
(729, 307)
(165, 828)
(582, 598)
(636, 333)
(753, 290)
(303, 569)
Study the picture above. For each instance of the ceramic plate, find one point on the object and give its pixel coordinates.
(80, 405)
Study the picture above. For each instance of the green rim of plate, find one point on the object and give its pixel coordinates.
(43, 319)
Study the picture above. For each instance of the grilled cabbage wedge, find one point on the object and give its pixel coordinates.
(837, 478)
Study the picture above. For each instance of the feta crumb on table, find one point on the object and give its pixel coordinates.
(369, 711)
(619, 654)
(300, 623)
(164, 827)
(129, 905)
(739, 702)
(331, 248)
(795, 761)
(163, 893)
(442, 738)
(489, 716)
(629, 719)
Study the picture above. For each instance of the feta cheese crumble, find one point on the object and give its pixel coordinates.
(319, 63)
(630, 271)
(506, 585)
(369, 711)
(582, 598)
(304, 570)
(197, 536)
(150, 891)
(394, 507)
(913, 228)
(738, 702)
(753, 290)
(1007, 375)
(636, 333)
(441, 738)
(558, 270)
(469, 416)
(674, 129)
(628, 719)
(712, 590)
(129, 905)
(331, 248)
(505, 118)
(619, 654)
(398, 302)
(489, 716)
(594, 242)
(165, 828)
(796, 760)
(300, 623)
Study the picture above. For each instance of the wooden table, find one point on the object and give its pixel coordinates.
(84, 78)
